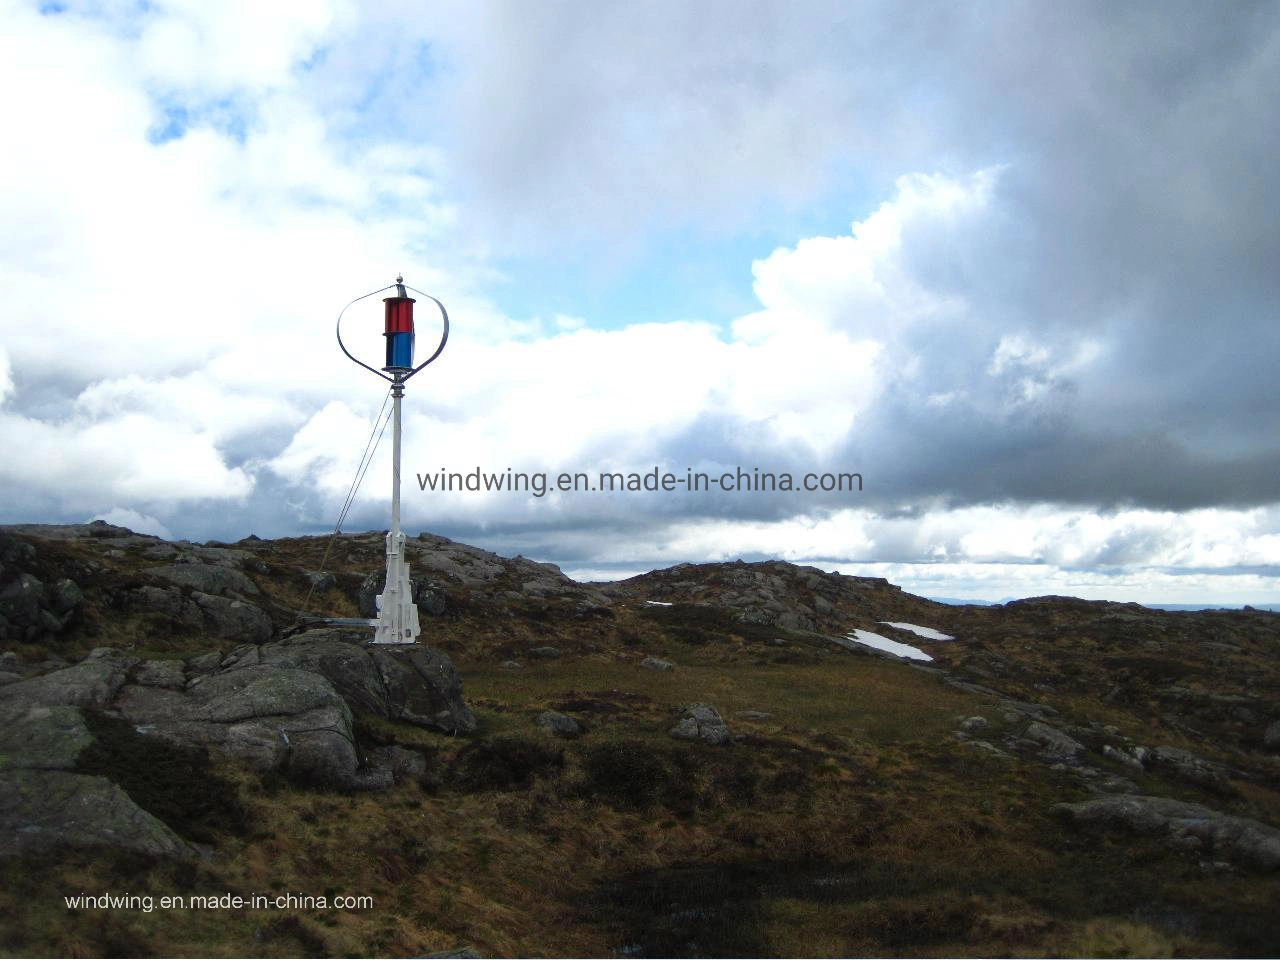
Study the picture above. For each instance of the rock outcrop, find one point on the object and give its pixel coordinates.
(412, 683)
(275, 718)
(1187, 825)
(42, 810)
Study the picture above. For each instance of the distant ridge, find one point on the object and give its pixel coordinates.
(1174, 607)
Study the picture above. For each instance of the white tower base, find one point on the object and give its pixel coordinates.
(397, 613)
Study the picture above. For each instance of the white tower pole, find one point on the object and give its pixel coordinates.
(397, 613)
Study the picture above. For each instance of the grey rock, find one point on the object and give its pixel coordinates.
(1189, 825)
(233, 619)
(165, 601)
(270, 716)
(1122, 756)
(29, 610)
(545, 653)
(1054, 742)
(208, 578)
(160, 551)
(791, 620)
(9, 661)
(65, 596)
(91, 683)
(322, 580)
(373, 778)
(1271, 738)
(1037, 711)
(161, 673)
(700, 721)
(43, 738)
(223, 617)
(21, 600)
(245, 655)
(423, 687)
(973, 724)
(1117, 785)
(205, 663)
(987, 748)
(656, 663)
(6, 677)
(512, 665)
(404, 764)
(558, 725)
(412, 683)
(43, 810)
(1187, 766)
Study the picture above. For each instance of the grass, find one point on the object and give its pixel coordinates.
(846, 824)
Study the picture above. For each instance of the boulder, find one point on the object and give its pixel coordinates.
(42, 738)
(233, 619)
(1054, 743)
(658, 664)
(403, 764)
(91, 683)
(1187, 825)
(205, 663)
(545, 653)
(558, 724)
(423, 687)
(273, 717)
(1187, 766)
(699, 721)
(29, 609)
(322, 580)
(223, 617)
(412, 682)
(1271, 738)
(64, 596)
(161, 673)
(43, 810)
(211, 578)
(1122, 756)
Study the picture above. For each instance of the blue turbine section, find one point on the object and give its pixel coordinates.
(399, 350)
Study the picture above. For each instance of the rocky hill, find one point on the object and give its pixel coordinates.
(721, 759)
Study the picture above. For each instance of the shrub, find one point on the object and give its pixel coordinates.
(504, 763)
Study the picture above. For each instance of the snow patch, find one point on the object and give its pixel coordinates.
(869, 639)
(927, 632)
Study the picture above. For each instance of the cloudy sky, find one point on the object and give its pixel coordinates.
(1015, 263)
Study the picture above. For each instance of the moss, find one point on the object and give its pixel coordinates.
(174, 783)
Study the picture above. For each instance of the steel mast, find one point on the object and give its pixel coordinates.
(397, 620)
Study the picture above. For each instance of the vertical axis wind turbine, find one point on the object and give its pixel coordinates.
(397, 620)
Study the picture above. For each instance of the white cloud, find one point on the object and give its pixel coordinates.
(135, 521)
(6, 378)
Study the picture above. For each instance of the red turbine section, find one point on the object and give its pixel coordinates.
(399, 314)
